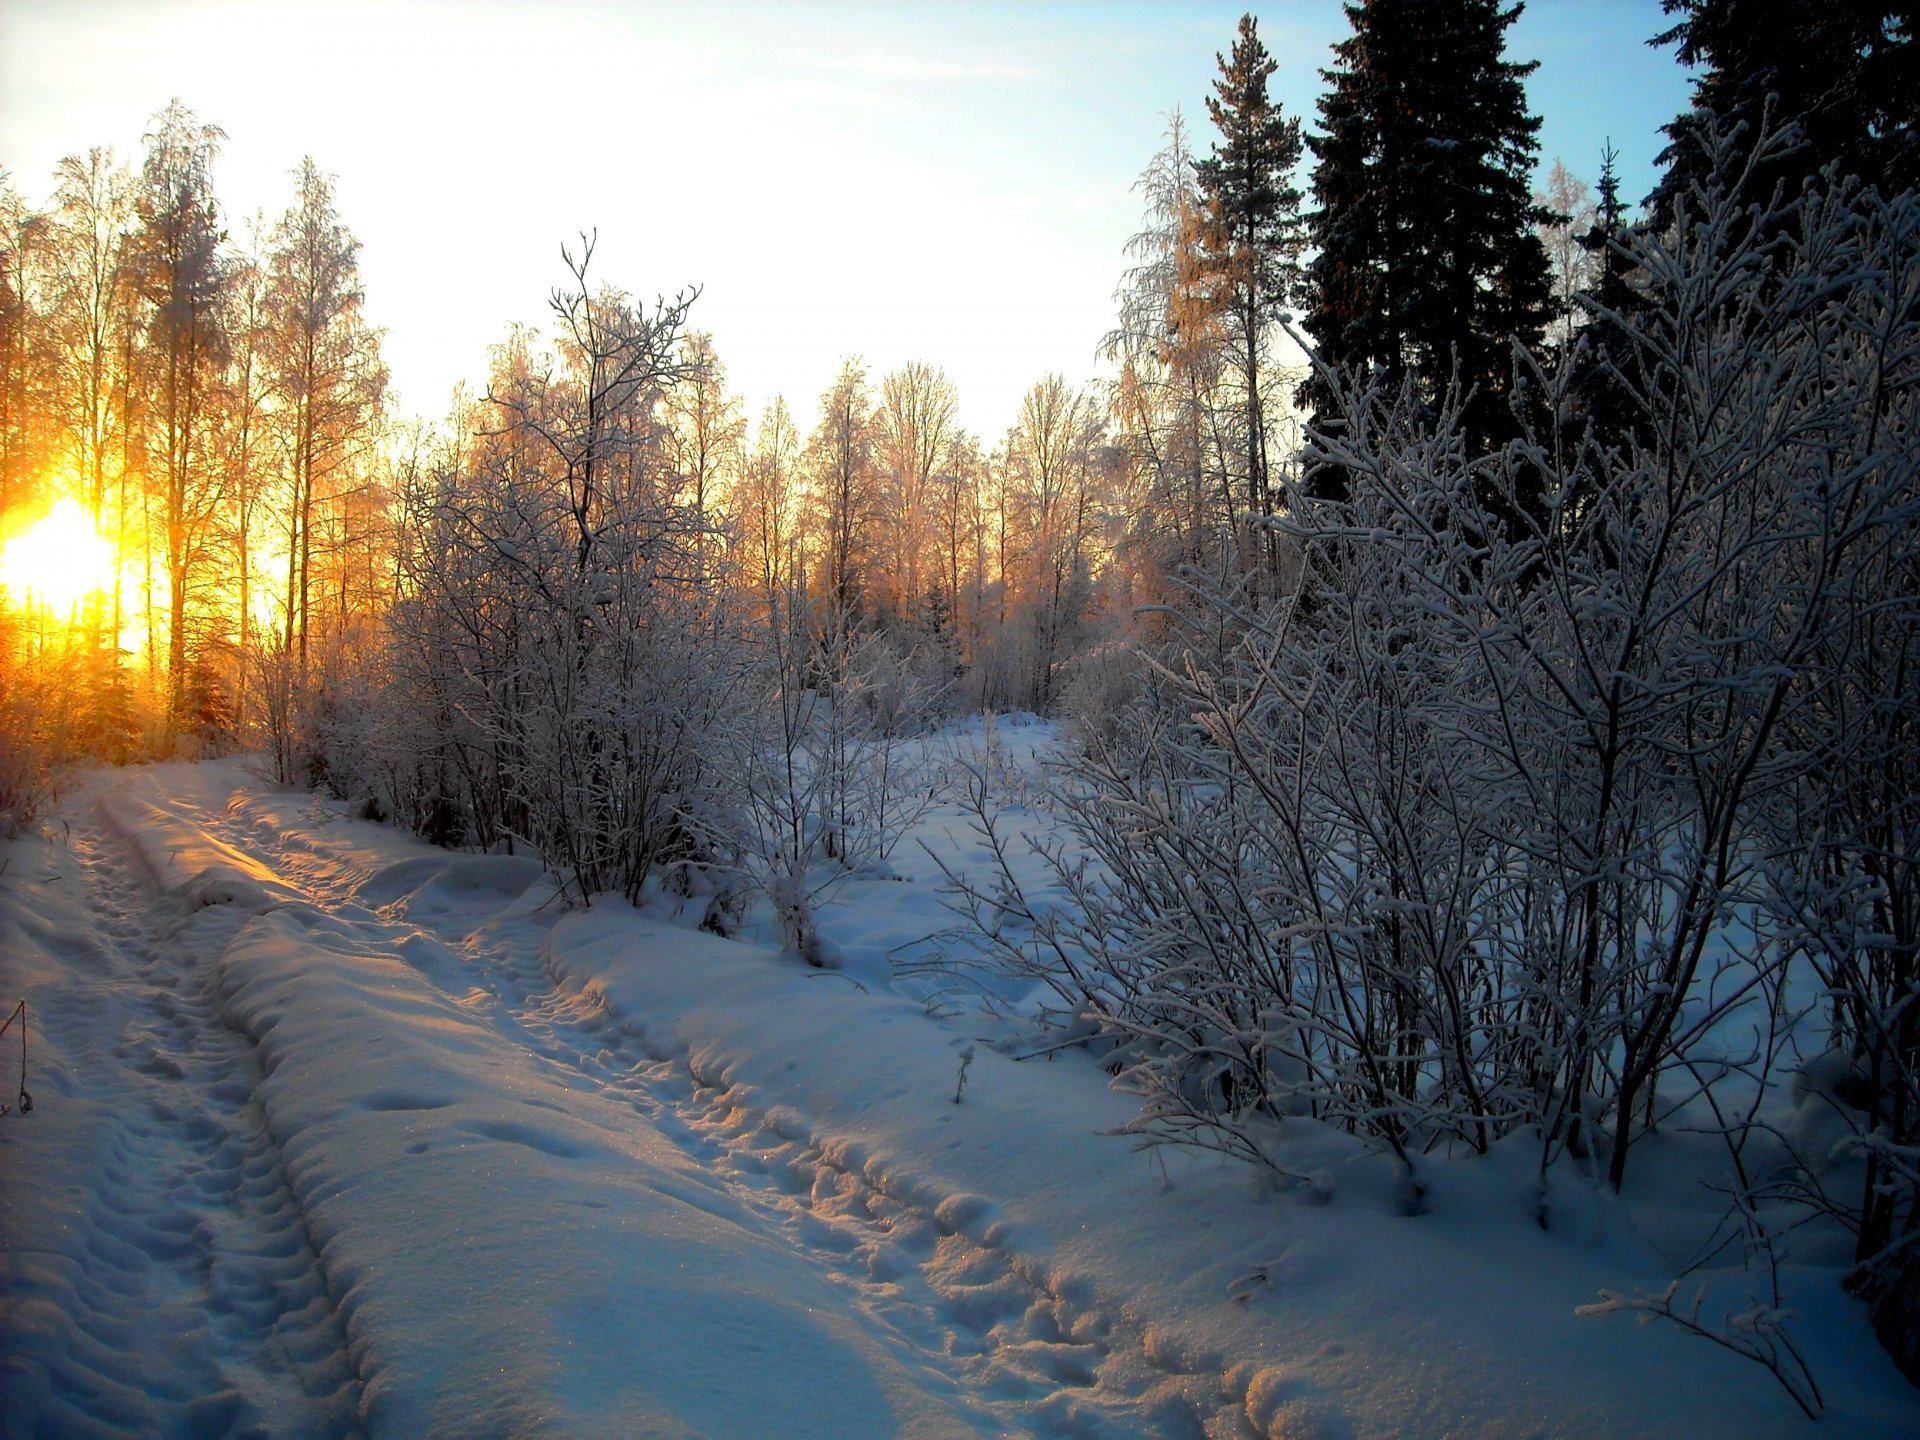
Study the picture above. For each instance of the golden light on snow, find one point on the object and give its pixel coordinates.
(57, 564)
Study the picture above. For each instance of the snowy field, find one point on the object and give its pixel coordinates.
(334, 1133)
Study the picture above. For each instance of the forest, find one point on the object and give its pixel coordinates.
(1485, 618)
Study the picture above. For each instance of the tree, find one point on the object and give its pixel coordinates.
(959, 519)
(181, 277)
(1568, 204)
(566, 674)
(1429, 265)
(326, 371)
(91, 301)
(1168, 349)
(766, 505)
(1613, 295)
(22, 358)
(1253, 235)
(1844, 73)
(915, 431)
(840, 466)
(92, 216)
(1604, 241)
(1050, 474)
(246, 422)
(708, 428)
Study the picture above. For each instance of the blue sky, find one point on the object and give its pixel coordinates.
(946, 182)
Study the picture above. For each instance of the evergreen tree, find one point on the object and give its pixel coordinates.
(1609, 267)
(1608, 411)
(1428, 260)
(1844, 72)
(1254, 234)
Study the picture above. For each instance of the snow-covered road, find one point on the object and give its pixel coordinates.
(338, 1134)
(331, 1155)
(161, 1276)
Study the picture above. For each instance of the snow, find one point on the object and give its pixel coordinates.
(335, 1133)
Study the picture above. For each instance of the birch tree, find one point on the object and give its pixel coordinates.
(181, 276)
(326, 375)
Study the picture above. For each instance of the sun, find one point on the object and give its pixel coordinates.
(57, 564)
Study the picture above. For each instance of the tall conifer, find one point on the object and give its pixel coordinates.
(1845, 73)
(1427, 253)
(1254, 233)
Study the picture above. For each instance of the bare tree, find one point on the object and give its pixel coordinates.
(709, 431)
(1573, 267)
(326, 372)
(839, 460)
(1169, 348)
(915, 428)
(1050, 467)
(93, 213)
(181, 276)
(22, 358)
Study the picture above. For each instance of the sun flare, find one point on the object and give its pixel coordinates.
(58, 563)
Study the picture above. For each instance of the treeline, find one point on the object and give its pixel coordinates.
(213, 397)
(218, 408)
(215, 407)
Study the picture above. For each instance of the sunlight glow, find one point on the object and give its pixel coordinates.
(57, 564)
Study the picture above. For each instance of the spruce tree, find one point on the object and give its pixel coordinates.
(1254, 234)
(1845, 73)
(1428, 260)
(1608, 412)
(1610, 288)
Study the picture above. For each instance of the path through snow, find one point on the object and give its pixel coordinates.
(161, 1278)
(338, 1134)
(476, 1151)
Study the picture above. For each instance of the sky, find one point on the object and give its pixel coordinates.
(946, 182)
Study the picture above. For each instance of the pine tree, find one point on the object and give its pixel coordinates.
(1845, 73)
(1254, 234)
(1428, 263)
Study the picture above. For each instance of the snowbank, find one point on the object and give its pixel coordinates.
(1345, 1318)
(337, 1131)
(514, 1257)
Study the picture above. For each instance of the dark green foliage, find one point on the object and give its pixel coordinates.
(1253, 234)
(1844, 72)
(1607, 412)
(207, 704)
(1428, 263)
(1258, 234)
(1610, 288)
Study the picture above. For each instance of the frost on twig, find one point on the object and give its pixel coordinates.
(1757, 1333)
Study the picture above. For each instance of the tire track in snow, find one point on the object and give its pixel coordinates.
(188, 1258)
(1031, 1357)
(1027, 1355)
